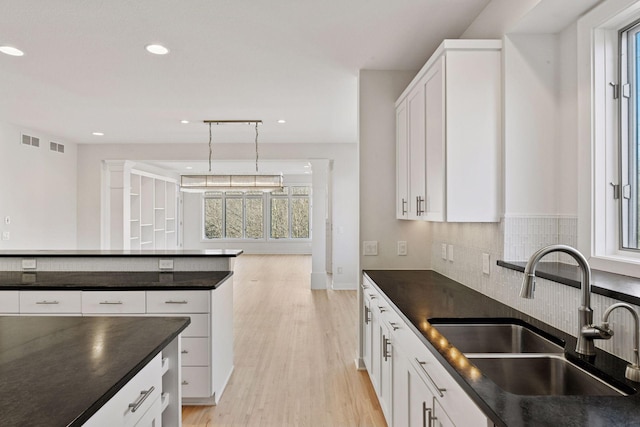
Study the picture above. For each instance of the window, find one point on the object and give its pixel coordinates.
(628, 93)
(608, 214)
(248, 215)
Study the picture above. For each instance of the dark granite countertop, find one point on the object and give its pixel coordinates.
(116, 253)
(58, 371)
(109, 280)
(618, 286)
(424, 297)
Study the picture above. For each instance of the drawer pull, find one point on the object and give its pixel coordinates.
(143, 396)
(45, 302)
(111, 302)
(185, 352)
(394, 326)
(385, 348)
(382, 309)
(176, 302)
(372, 296)
(438, 389)
(185, 382)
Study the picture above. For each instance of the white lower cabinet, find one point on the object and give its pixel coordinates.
(137, 402)
(413, 388)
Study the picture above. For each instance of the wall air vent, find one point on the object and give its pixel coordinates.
(30, 140)
(57, 147)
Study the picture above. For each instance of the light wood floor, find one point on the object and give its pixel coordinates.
(294, 353)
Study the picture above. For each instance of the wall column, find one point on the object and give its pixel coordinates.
(319, 209)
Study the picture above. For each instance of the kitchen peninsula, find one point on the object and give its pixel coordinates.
(93, 371)
(173, 283)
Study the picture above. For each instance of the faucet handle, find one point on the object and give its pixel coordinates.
(598, 331)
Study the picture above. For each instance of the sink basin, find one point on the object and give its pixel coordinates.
(549, 375)
(496, 338)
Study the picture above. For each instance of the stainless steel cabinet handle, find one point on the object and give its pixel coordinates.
(111, 302)
(185, 382)
(372, 296)
(438, 389)
(385, 348)
(424, 413)
(367, 315)
(404, 206)
(185, 352)
(419, 201)
(382, 309)
(143, 396)
(394, 326)
(176, 302)
(48, 302)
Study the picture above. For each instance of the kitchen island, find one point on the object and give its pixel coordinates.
(423, 298)
(63, 370)
(194, 284)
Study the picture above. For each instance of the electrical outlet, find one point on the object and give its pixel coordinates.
(165, 264)
(370, 248)
(444, 251)
(485, 263)
(7, 220)
(402, 248)
(28, 264)
(6, 235)
(340, 270)
(450, 251)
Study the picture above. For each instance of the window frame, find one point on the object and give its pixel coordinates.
(599, 214)
(266, 220)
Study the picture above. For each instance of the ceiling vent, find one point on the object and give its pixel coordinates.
(30, 140)
(57, 147)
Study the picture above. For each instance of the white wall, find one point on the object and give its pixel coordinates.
(379, 91)
(345, 187)
(37, 191)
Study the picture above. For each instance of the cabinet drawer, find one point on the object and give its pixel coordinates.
(195, 352)
(9, 302)
(143, 391)
(199, 326)
(177, 302)
(99, 302)
(196, 382)
(50, 302)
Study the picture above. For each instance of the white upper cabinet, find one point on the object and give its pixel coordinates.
(454, 132)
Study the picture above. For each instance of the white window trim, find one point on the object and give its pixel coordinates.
(598, 213)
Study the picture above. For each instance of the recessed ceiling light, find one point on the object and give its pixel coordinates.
(282, 121)
(11, 51)
(157, 49)
(184, 122)
(98, 133)
(189, 167)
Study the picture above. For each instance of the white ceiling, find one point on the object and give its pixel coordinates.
(85, 68)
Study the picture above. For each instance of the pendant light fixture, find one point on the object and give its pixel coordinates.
(217, 182)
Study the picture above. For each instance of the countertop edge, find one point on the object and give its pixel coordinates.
(219, 253)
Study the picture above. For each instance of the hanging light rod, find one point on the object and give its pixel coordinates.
(219, 182)
(230, 122)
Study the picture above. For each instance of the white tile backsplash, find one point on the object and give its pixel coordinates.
(554, 303)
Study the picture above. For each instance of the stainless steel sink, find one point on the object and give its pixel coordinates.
(496, 338)
(548, 375)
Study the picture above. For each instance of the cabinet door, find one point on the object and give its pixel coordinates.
(440, 417)
(366, 334)
(435, 142)
(400, 388)
(402, 162)
(420, 400)
(376, 344)
(416, 131)
(386, 373)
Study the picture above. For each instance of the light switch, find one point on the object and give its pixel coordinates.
(485, 263)
(444, 251)
(402, 248)
(450, 251)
